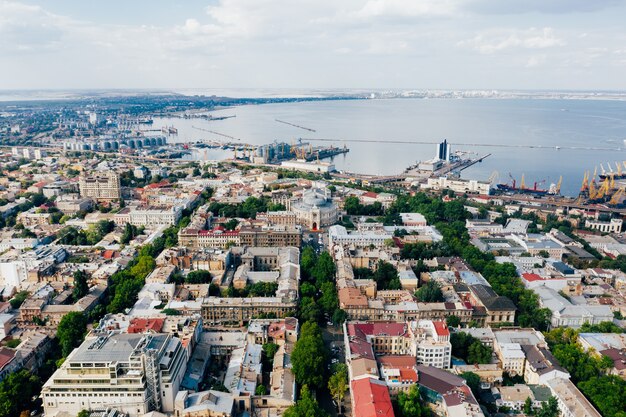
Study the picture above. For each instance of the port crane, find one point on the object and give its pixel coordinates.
(295, 125)
(617, 197)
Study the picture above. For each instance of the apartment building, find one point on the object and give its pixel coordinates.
(218, 238)
(134, 373)
(149, 216)
(101, 186)
(432, 343)
(270, 236)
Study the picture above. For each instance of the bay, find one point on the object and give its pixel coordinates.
(466, 123)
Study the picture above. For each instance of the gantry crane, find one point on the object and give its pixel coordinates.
(617, 197)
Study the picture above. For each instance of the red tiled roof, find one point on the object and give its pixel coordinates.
(377, 329)
(361, 348)
(398, 361)
(108, 254)
(371, 398)
(140, 325)
(408, 375)
(618, 357)
(441, 328)
(158, 185)
(6, 356)
(370, 194)
(531, 277)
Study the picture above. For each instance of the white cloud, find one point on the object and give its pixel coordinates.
(536, 61)
(304, 43)
(403, 9)
(493, 41)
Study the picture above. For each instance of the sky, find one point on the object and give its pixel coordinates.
(316, 44)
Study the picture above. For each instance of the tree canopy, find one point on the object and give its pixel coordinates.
(306, 406)
(71, 331)
(430, 293)
(309, 356)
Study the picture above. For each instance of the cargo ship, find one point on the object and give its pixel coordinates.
(554, 189)
(506, 188)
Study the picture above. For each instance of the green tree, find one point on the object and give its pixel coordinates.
(231, 224)
(200, 276)
(307, 289)
(130, 232)
(453, 321)
(479, 353)
(329, 300)
(309, 356)
(410, 405)
(71, 331)
(549, 408)
(18, 299)
(473, 381)
(608, 393)
(307, 261)
(16, 391)
(386, 276)
(528, 406)
(269, 351)
(339, 316)
(81, 288)
(338, 384)
(144, 265)
(260, 390)
(323, 270)
(309, 310)
(306, 406)
(429, 293)
(469, 348)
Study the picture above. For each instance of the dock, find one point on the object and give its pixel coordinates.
(458, 166)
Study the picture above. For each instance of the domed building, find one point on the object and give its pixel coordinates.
(316, 209)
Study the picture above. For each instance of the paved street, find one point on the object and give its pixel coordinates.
(333, 339)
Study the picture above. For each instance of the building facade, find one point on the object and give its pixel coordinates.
(101, 186)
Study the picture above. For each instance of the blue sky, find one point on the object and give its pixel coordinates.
(464, 44)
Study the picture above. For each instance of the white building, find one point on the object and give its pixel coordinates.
(133, 373)
(149, 217)
(316, 209)
(458, 185)
(612, 226)
(432, 347)
(566, 314)
(339, 235)
(300, 165)
(572, 403)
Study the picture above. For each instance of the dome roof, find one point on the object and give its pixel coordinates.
(314, 200)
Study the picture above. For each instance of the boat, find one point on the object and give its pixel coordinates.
(506, 188)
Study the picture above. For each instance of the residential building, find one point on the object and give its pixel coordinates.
(149, 217)
(370, 398)
(101, 186)
(572, 402)
(270, 236)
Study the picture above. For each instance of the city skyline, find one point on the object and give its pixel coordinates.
(451, 44)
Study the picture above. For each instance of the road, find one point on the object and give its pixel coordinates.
(333, 339)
